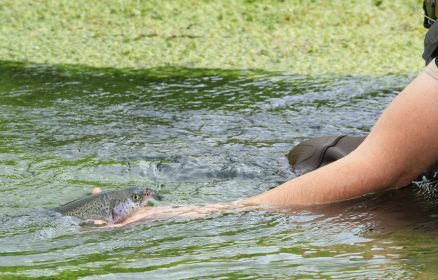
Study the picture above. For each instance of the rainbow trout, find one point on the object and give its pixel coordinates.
(111, 206)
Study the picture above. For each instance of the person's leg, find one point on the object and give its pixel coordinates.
(316, 152)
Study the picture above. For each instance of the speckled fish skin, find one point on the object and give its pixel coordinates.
(111, 206)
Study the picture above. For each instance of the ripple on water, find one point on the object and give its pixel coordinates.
(199, 136)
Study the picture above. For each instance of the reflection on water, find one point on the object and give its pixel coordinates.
(198, 136)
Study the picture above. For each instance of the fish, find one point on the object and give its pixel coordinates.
(111, 207)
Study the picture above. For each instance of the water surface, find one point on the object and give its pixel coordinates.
(199, 136)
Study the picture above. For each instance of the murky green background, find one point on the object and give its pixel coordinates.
(198, 136)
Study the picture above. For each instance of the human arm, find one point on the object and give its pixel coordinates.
(399, 147)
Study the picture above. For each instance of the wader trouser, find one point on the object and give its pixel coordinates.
(319, 151)
(431, 43)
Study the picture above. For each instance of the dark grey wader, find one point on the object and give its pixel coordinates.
(431, 44)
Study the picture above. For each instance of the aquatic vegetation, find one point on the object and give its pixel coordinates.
(306, 37)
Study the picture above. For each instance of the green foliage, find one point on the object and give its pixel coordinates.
(338, 37)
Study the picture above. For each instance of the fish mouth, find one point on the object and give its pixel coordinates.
(150, 194)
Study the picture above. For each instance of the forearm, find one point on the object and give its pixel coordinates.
(341, 180)
(401, 145)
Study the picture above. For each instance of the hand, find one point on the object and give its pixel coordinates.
(181, 212)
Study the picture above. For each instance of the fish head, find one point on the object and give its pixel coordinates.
(135, 197)
(141, 195)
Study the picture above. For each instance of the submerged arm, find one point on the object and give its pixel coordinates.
(400, 146)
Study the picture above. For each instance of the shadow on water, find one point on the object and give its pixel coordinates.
(181, 88)
(165, 87)
(202, 136)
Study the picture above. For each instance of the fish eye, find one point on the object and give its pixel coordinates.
(136, 197)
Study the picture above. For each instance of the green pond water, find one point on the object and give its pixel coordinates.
(198, 136)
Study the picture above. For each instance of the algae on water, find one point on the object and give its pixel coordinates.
(297, 36)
